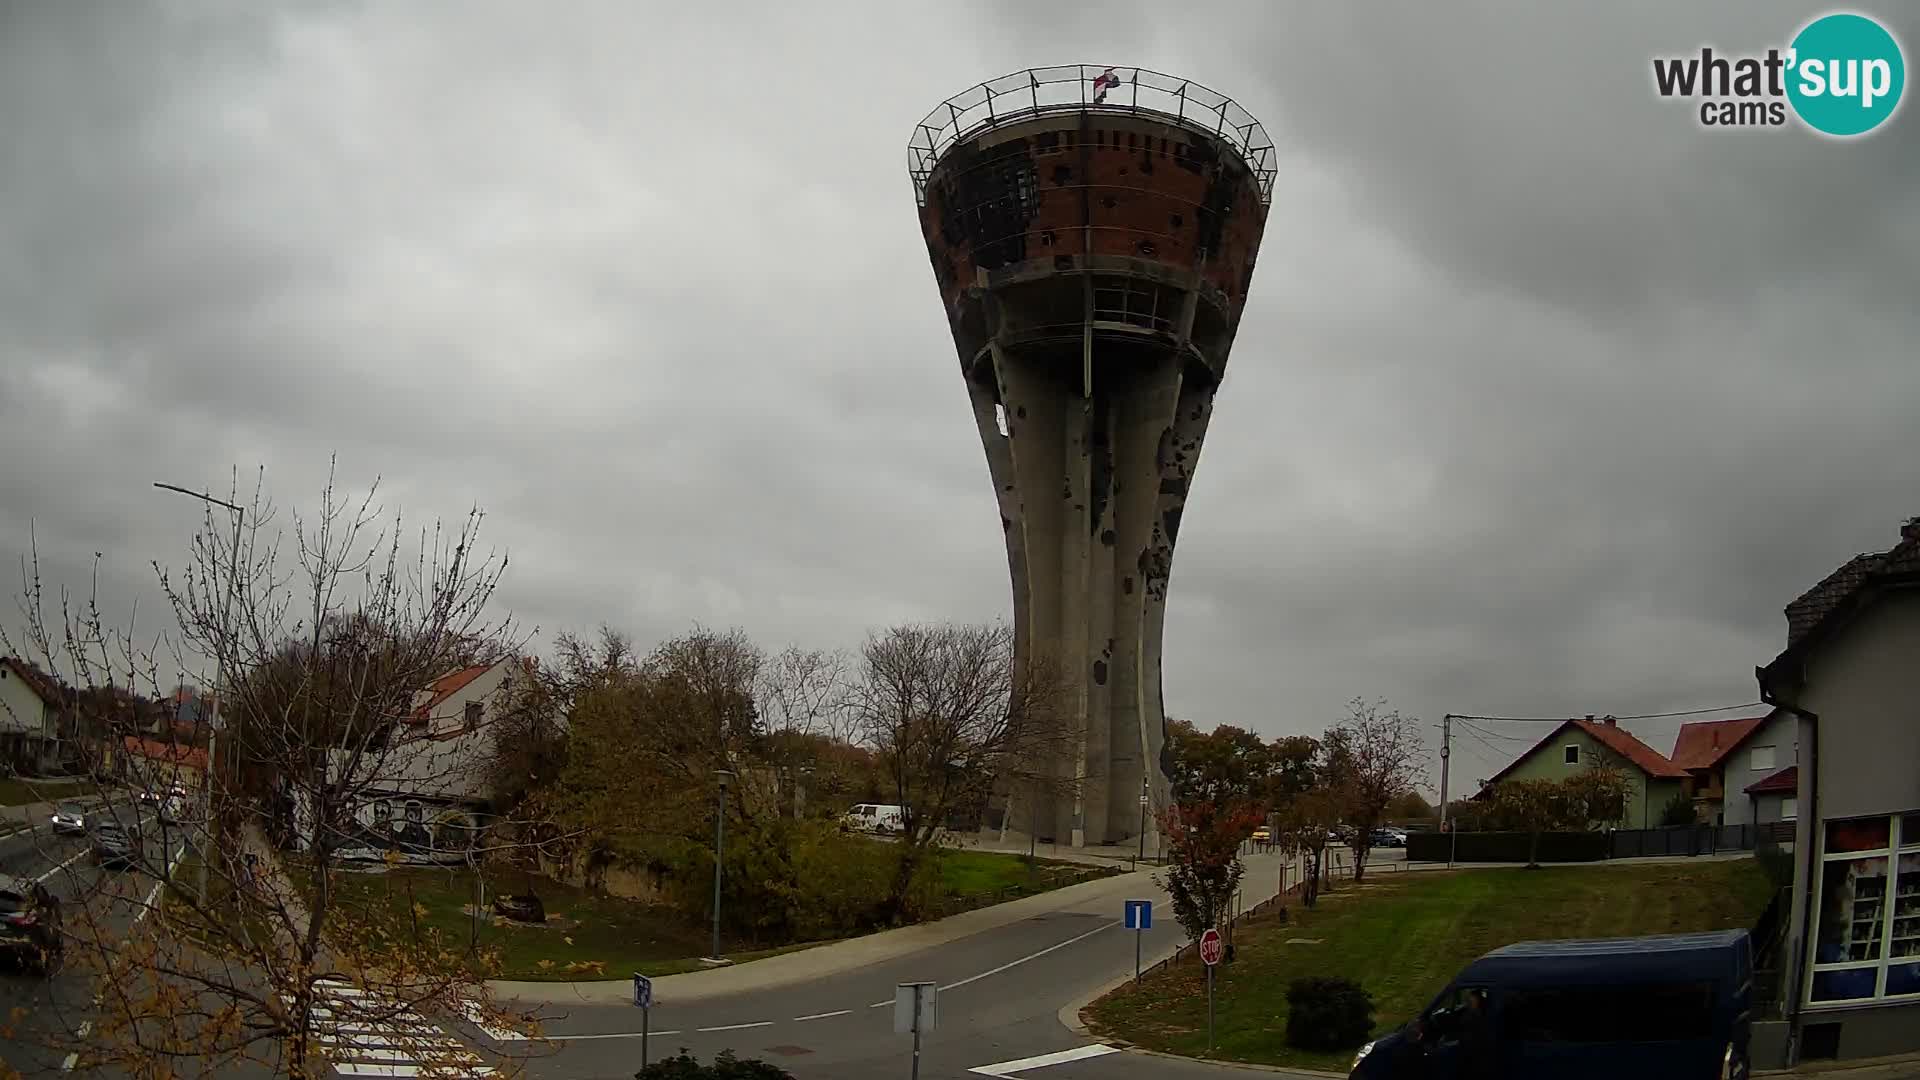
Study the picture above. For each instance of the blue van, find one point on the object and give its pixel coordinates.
(1675, 1005)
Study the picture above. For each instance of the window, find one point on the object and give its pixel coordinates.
(1867, 918)
(1573, 754)
(1789, 808)
(1760, 757)
(472, 717)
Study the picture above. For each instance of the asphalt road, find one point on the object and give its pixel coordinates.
(48, 1012)
(1000, 996)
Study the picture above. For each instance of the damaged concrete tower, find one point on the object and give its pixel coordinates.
(1093, 233)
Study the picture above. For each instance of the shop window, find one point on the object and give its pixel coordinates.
(1867, 910)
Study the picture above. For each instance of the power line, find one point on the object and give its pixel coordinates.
(1591, 716)
(1493, 734)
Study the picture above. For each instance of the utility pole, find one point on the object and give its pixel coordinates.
(1446, 759)
(219, 680)
(719, 852)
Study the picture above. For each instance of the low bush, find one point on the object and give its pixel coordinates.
(1508, 846)
(1328, 1014)
(725, 1067)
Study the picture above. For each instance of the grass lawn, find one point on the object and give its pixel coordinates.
(15, 791)
(1404, 937)
(588, 936)
(979, 874)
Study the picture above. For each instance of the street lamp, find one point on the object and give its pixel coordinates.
(719, 850)
(219, 674)
(1143, 823)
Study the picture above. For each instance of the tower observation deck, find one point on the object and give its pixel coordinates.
(1093, 233)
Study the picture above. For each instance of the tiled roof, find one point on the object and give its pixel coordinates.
(1702, 743)
(1651, 761)
(1639, 754)
(193, 757)
(1806, 612)
(1837, 596)
(1784, 782)
(448, 685)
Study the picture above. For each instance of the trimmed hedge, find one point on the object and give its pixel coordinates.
(1508, 846)
(724, 1067)
(1328, 1014)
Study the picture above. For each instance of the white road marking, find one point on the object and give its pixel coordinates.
(822, 1016)
(471, 1010)
(147, 904)
(737, 1027)
(1082, 1053)
(1024, 959)
(400, 1045)
(42, 879)
(1012, 964)
(612, 1035)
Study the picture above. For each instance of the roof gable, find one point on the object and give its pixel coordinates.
(1818, 613)
(43, 685)
(1703, 743)
(1638, 754)
(448, 685)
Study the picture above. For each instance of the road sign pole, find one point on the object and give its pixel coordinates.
(1136, 959)
(1209, 1008)
(916, 1037)
(644, 1036)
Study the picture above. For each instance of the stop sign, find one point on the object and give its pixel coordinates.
(1211, 947)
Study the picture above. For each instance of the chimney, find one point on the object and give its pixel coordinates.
(1910, 530)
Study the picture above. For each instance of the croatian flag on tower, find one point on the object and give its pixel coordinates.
(1102, 83)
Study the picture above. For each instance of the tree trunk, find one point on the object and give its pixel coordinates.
(1533, 850)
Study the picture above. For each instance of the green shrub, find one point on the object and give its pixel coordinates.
(1328, 1014)
(725, 1067)
(1679, 811)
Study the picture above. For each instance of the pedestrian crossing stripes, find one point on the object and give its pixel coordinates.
(365, 1035)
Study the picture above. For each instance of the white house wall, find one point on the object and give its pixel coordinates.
(1777, 731)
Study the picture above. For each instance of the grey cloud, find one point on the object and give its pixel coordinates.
(1545, 400)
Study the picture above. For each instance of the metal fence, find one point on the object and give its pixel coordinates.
(1070, 88)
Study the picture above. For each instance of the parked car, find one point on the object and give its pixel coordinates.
(30, 924)
(69, 818)
(1389, 838)
(111, 844)
(875, 818)
(1672, 1005)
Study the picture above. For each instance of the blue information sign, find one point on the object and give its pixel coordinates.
(642, 991)
(1139, 914)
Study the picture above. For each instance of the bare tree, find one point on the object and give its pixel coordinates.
(949, 714)
(1373, 758)
(805, 691)
(323, 656)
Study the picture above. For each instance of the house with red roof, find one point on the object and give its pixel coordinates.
(425, 791)
(1652, 781)
(1727, 758)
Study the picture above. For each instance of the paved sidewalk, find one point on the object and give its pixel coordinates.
(786, 969)
(1900, 1067)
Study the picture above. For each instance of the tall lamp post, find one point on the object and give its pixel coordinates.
(1143, 824)
(219, 676)
(719, 851)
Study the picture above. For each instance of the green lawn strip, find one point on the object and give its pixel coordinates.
(15, 791)
(589, 936)
(979, 874)
(1404, 937)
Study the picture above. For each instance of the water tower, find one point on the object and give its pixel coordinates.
(1093, 233)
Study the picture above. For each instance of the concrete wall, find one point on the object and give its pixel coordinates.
(1863, 687)
(1863, 744)
(1644, 801)
(1093, 268)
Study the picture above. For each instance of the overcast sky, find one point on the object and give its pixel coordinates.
(1545, 401)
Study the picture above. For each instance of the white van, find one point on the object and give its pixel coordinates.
(875, 818)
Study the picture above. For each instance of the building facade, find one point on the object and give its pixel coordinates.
(29, 718)
(1652, 780)
(1850, 675)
